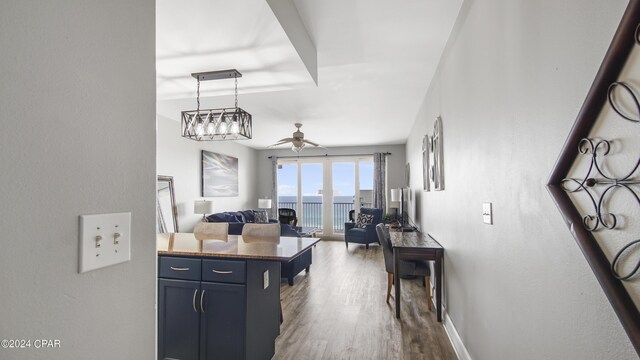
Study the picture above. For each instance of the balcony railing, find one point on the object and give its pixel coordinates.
(311, 214)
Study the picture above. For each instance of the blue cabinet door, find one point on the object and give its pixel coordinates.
(223, 321)
(178, 319)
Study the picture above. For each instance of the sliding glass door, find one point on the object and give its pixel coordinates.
(344, 193)
(288, 185)
(352, 189)
(324, 190)
(311, 187)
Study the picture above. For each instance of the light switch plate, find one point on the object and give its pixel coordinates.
(487, 214)
(105, 239)
(265, 279)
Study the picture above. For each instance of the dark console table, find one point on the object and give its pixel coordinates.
(220, 299)
(418, 246)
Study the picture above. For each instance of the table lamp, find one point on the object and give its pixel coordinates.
(203, 207)
(264, 203)
(397, 195)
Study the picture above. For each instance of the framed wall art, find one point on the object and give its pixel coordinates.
(437, 163)
(219, 175)
(426, 183)
(596, 180)
(433, 159)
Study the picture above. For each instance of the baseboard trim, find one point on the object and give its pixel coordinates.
(454, 337)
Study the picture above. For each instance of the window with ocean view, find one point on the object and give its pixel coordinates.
(323, 191)
(288, 186)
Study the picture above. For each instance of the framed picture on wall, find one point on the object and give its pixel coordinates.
(407, 175)
(219, 175)
(426, 149)
(437, 163)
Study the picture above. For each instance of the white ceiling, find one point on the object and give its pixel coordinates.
(375, 61)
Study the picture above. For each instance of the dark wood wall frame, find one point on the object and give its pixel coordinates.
(616, 57)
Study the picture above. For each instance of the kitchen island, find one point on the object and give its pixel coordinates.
(220, 298)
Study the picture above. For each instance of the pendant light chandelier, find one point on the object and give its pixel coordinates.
(216, 124)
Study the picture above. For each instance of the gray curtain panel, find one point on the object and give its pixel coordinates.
(379, 175)
(273, 212)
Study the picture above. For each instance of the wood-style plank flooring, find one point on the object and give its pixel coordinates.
(338, 311)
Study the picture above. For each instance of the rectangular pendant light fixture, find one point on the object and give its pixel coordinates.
(217, 124)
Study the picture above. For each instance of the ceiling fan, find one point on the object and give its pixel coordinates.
(298, 142)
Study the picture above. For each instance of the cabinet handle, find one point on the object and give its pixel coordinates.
(179, 269)
(222, 272)
(201, 300)
(194, 300)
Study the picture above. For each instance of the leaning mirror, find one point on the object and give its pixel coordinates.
(167, 215)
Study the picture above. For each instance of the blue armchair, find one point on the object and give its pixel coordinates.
(366, 235)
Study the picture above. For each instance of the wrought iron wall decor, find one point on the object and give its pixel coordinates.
(433, 159)
(426, 146)
(596, 176)
(599, 183)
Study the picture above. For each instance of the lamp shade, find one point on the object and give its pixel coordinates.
(396, 194)
(264, 203)
(202, 207)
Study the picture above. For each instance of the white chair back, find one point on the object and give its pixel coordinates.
(211, 231)
(264, 232)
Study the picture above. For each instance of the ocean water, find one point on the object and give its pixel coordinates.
(311, 214)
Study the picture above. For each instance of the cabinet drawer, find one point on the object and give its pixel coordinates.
(227, 271)
(180, 268)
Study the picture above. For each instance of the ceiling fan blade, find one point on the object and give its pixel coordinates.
(312, 143)
(285, 140)
(278, 143)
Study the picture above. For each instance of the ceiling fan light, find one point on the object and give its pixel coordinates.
(297, 140)
(297, 146)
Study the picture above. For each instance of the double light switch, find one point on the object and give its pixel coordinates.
(487, 215)
(105, 239)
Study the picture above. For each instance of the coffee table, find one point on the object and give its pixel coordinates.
(306, 231)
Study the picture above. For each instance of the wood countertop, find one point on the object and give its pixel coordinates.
(235, 246)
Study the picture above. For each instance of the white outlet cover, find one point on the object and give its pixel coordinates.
(99, 244)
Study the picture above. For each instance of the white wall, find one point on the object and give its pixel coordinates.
(395, 162)
(508, 88)
(180, 157)
(77, 136)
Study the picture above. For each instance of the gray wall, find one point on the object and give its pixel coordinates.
(180, 158)
(508, 88)
(77, 136)
(395, 162)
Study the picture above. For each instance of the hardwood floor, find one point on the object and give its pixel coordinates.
(338, 311)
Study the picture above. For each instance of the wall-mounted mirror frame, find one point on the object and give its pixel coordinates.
(167, 213)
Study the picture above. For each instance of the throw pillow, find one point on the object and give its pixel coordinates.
(364, 220)
(219, 217)
(248, 216)
(261, 216)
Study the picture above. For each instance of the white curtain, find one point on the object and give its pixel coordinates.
(379, 175)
